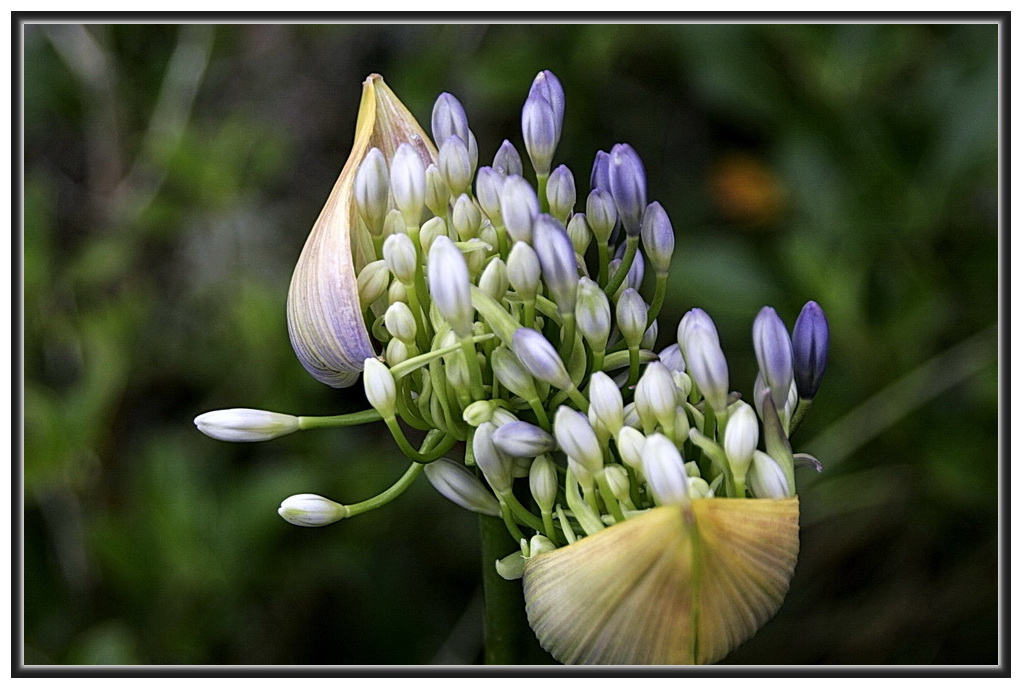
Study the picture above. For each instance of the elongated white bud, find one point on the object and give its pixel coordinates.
(540, 358)
(381, 390)
(449, 285)
(460, 486)
(245, 425)
(307, 509)
(578, 439)
(665, 471)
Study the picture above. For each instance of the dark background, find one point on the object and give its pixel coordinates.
(172, 174)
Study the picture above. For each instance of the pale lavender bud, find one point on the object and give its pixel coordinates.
(636, 271)
(605, 403)
(766, 478)
(507, 161)
(489, 186)
(665, 471)
(519, 207)
(649, 337)
(628, 185)
(399, 322)
(707, 367)
(438, 193)
(502, 416)
(494, 280)
(540, 131)
(592, 314)
(810, 342)
(495, 465)
(579, 234)
(696, 319)
(400, 257)
(543, 482)
(308, 509)
(656, 397)
(560, 193)
(449, 119)
(773, 353)
(631, 316)
(380, 387)
(523, 269)
(466, 218)
(372, 282)
(408, 183)
(657, 237)
(741, 438)
(372, 189)
(459, 485)
(455, 165)
(540, 358)
(600, 176)
(631, 414)
(245, 425)
(578, 439)
(511, 374)
(449, 285)
(522, 439)
(557, 260)
(601, 214)
(671, 357)
(549, 87)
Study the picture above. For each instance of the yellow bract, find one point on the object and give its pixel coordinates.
(676, 585)
(324, 316)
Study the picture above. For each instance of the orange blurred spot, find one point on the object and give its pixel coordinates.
(745, 190)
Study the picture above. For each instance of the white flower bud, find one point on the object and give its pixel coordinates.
(507, 160)
(511, 374)
(605, 403)
(400, 257)
(399, 322)
(560, 192)
(740, 438)
(579, 234)
(430, 230)
(372, 188)
(466, 218)
(557, 260)
(245, 425)
(460, 486)
(380, 387)
(523, 269)
(408, 183)
(307, 509)
(578, 439)
(494, 280)
(449, 285)
(455, 164)
(519, 207)
(489, 186)
(540, 544)
(543, 482)
(766, 478)
(396, 352)
(617, 479)
(630, 444)
(438, 194)
(496, 466)
(665, 471)
(592, 314)
(372, 282)
(540, 358)
(522, 439)
(631, 317)
(656, 397)
(707, 365)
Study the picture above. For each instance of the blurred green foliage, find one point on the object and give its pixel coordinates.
(173, 172)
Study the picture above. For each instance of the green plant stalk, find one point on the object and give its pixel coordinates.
(306, 423)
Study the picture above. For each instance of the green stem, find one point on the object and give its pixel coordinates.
(603, 252)
(474, 371)
(631, 246)
(658, 299)
(422, 458)
(544, 204)
(409, 365)
(358, 418)
(608, 497)
(386, 496)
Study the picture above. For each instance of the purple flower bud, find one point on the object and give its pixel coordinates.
(601, 214)
(810, 342)
(773, 353)
(454, 164)
(600, 177)
(557, 260)
(507, 161)
(628, 185)
(560, 192)
(449, 285)
(540, 358)
(522, 439)
(540, 131)
(549, 87)
(449, 118)
(657, 237)
(511, 374)
(519, 205)
(696, 319)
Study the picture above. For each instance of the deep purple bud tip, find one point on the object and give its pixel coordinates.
(810, 341)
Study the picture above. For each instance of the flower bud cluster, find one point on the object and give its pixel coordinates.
(520, 319)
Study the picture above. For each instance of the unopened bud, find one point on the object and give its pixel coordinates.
(489, 186)
(507, 161)
(741, 438)
(630, 444)
(519, 207)
(592, 314)
(307, 509)
(372, 188)
(543, 482)
(494, 280)
(372, 282)
(657, 237)
(631, 317)
(628, 185)
(578, 232)
(578, 440)
(449, 285)
(665, 471)
(809, 343)
(523, 270)
(438, 193)
(408, 183)
(511, 374)
(466, 218)
(400, 322)
(400, 257)
(600, 176)
(773, 353)
(601, 214)
(560, 193)
(380, 387)
(448, 119)
(522, 439)
(245, 425)
(557, 260)
(459, 485)
(766, 478)
(430, 230)
(540, 358)
(496, 466)
(656, 397)
(454, 164)
(605, 402)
